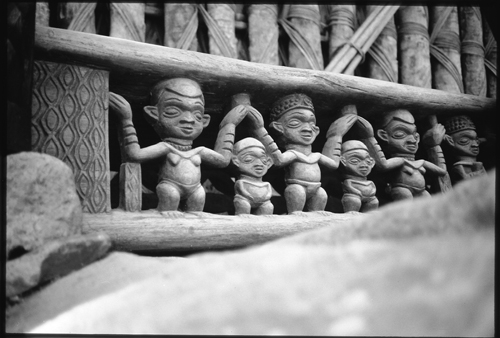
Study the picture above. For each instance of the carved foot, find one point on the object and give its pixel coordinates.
(323, 213)
(246, 215)
(298, 213)
(172, 214)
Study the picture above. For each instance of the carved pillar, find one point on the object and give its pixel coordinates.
(263, 33)
(471, 32)
(128, 22)
(78, 16)
(181, 24)
(70, 121)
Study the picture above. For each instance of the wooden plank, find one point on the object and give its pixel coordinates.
(135, 67)
(150, 231)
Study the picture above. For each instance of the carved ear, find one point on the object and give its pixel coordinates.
(382, 134)
(417, 137)
(343, 161)
(316, 130)
(206, 120)
(277, 126)
(373, 163)
(269, 162)
(449, 140)
(151, 114)
(236, 161)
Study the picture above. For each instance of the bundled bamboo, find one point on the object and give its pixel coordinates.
(263, 33)
(342, 23)
(473, 70)
(221, 32)
(42, 14)
(490, 60)
(302, 25)
(382, 57)
(445, 49)
(347, 58)
(127, 21)
(78, 16)
(181, 24)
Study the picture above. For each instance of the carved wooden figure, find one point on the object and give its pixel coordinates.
(252, 195)
(401, 139)
(359, 192)
(461, 136)
(177, 114)
(292, 117)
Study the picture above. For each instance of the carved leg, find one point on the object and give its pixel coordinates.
(265, 209)
(370, 205)
(351, 202)
(196, 201)
(241, 206)
(424, 193)
(400, 193)
(168, 197)
(317, 202)
(295, 197)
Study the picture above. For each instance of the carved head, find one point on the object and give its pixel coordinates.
(250, 156)
(177, 110)
(399, 132)
(461, 136)
(356, 158)
(293, 118)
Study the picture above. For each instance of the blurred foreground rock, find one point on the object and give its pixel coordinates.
(44, 223)
(422, 267)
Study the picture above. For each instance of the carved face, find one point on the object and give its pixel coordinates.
(253, 161)
(181, 117)
(357, 162)
(466, 143)
(297, 126)
(401, 137)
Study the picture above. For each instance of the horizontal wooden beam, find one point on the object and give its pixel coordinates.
(135, 67)
(150, 231)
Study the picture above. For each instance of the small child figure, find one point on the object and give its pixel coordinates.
(252, 195)
(359, 193)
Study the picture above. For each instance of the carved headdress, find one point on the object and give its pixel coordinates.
(289, 102)
(458, 123)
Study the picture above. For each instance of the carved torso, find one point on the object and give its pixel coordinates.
(304, 168)
(367, 188)
(255, 192)
(465, 170)
(182, 167)
(411, 175)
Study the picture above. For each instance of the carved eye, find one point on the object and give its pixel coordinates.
(171, 112)
(369, 161)
(354, 160)
(399, 134)
(464, 141)
(264, 159)
(198, 115)
(248, 159)
(294, 123)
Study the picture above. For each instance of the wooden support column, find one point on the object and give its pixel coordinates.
(181, 24)
(70, 121)
(78, 16)
(341, 23)
(382, 57)
(263, 33)
(224, 17)
(471, 32)
(42, 14)
(490, 60)
(445, 49)
(306, 20)
(128, 22)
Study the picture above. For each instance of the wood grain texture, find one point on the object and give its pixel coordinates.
(135, 67)
(152, 232)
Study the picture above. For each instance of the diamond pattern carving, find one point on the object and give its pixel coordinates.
(70, 121)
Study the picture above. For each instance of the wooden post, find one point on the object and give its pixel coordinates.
(70, 121)
(263, 33)
(490, 60)
(181, 24)
(42, 14)
(128, 22)
(224, 17)
(445, 49)
(306, 20)
(471, 32)
(382, 57)
(341, 21)
(78, 16)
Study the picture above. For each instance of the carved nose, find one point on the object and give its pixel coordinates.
(188, 118)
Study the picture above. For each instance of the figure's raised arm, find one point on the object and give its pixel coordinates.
(331, 149)
(128, 136)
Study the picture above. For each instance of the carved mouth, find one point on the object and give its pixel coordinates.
(364, 170)
(258, 169)
(186, 129)
(475, 150)
(411, 147)
(306, 134)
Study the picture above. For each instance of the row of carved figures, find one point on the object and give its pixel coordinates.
(177, 115)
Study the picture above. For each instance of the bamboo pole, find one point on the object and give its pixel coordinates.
(263, 33)
(341, 21)
(473, 70)
(224, 17)
(445, 49)
(381, 60)
(181, 24)
(127, 21)
(136, 67)
(306, 21)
